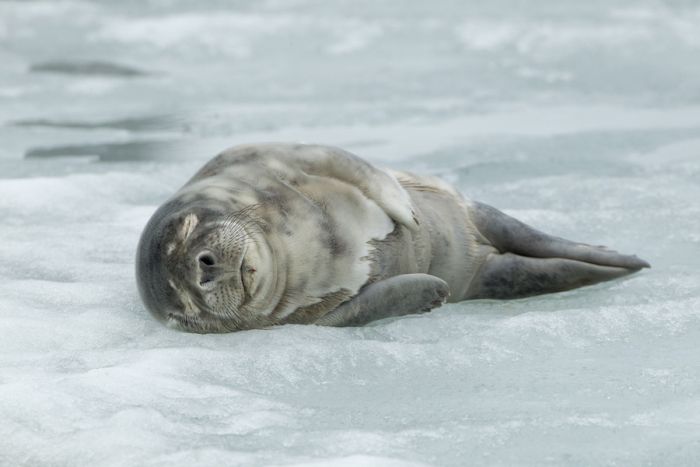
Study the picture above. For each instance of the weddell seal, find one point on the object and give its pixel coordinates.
(271, 234)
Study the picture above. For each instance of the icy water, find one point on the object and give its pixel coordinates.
(580, 118)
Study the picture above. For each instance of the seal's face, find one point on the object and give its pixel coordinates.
(199, 270)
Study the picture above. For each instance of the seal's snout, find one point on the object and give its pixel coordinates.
(207, 270)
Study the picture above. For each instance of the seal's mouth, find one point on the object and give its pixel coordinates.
(214, 296)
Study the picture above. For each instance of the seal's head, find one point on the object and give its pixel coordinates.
(201, 270)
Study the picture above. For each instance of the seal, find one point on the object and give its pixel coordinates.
(270, 234)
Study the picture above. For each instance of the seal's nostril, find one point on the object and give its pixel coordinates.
(207, 259)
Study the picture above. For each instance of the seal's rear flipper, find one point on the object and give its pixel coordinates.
(396, 296)
(505, 276)
(532, 262)
(509, 235)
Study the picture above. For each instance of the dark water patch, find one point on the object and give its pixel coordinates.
(111, 152)
(91, 68)
(130, 124)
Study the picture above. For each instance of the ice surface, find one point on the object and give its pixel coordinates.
(581, 118)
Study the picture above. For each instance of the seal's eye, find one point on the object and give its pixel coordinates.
(207, 259)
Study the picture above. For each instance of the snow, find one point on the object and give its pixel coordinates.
(580, 118)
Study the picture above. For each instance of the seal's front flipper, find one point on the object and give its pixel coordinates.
(396, 296)
(378, 185)
(505, 276)
(509, 235)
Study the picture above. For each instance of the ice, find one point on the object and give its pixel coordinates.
(580, 118)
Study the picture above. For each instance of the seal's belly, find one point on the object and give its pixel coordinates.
(457, 249)
(328, 243)
(447, 244)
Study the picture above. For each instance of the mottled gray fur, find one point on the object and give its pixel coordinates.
(287, 233)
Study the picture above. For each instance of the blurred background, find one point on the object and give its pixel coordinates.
(133, 80)
(580, 118)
